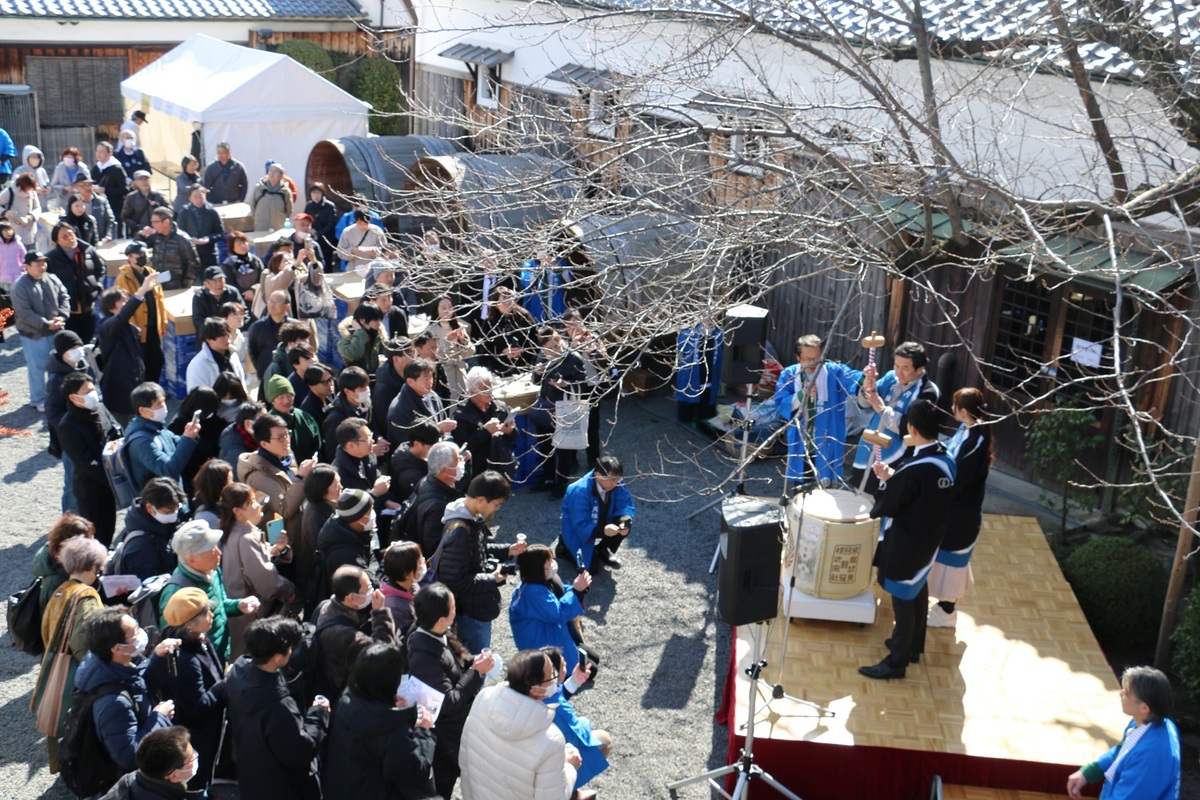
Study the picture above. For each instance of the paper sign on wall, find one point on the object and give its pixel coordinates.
(1085, 353)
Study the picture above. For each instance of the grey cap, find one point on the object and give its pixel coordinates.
(194, 538)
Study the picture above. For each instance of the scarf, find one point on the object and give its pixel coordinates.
(284, 463)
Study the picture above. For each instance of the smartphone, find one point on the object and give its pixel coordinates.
(512, 414)
(274, 530)
(162, 277)
(196, 415)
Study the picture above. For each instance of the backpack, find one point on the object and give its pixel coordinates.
(115, 564)
(431, 575)
(119, 471)
(143, 601)
(303, 672)
(83, 763)
(25, 618)
(404, 525)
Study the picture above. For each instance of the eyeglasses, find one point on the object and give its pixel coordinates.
(285, 437)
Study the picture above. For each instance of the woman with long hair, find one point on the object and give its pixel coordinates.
(80, 218)
(454, 345)
(249, 561)
(971, 448)
(232, 392)
(437, 658)
(243, 269)
(209, 481)
(379, 747)
(204, 400)
(63, 620)
(322, 488)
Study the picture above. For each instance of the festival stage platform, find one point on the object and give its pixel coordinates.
(1015, 698)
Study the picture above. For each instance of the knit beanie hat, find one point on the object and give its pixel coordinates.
(64, 341)
(278, 385)
(185, 605)
(353, 504)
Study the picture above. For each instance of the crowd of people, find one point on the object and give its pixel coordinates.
(304, 537)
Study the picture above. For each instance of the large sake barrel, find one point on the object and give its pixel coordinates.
(835, 542)
(374, 167)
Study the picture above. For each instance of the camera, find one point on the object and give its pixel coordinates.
(508, 568)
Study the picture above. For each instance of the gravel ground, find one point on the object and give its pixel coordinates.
(654, 621)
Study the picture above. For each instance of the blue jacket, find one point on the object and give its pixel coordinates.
(577, 730)
(695, 381)
(834, 386)
(156, 452)
(539, 619)
(1150, 771)
(581, 521)
(122, 720)
(897, 412)
(151, 554)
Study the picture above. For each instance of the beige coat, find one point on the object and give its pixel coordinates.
(247, 569)
(453, 355)
(284, 495)
(511, 750)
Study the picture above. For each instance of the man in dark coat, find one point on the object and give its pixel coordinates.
(417, 402)
(389, 380)
(275, 745)
(408, 463)
(357, 466)
(83, 431)
(433, 494)
(121, 347)
(345, 538)
(150, 525)
(208, 301)
(173, 250)
(139, 203)
(165, 763)
(340, 642)
(225, 178)
(484, 427)
(199, 220)
(912, 501)
(353, 400)
(263, 336)
(82, 271)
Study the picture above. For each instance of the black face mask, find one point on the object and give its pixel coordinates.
(141, 261)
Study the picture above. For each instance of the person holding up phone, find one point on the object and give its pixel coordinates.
(597, 515)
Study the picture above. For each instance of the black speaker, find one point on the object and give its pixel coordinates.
(751, 549)
(745, 329)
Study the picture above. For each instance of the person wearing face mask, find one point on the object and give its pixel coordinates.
(84, 429)
(251, 563)
(511, 749)
(463, 562)
(593, 744)
(167, 761)
(116, 659)
(361, 342)
(152, 449)
(353, 400)
(120, 342)
(432, 495)
(403, 568)
(538, 617)
(150, 525)
(131, 157)
(345, 539)
(350, 620)
(149, 317)
(65, 358)
(193, 676)
(64, 626)
(33, 165)
(112, 184)
(357, 465)
(69, 169)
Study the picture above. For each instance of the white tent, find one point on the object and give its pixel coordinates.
(267, 106)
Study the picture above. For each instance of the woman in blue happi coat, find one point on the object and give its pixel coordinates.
(593, 744)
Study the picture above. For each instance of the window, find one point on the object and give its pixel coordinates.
(747, 149)
(602, 114)
(487, 86)
(1020, 333)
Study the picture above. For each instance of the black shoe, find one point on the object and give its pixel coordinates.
(914, 658)
(561, 551)
(606, 559)
(883, 671)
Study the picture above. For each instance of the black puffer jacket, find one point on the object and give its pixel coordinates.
(377, 752)
(150, 554)
(274, 745)
(431, 498)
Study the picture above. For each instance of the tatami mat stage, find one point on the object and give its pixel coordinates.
(1017, 697)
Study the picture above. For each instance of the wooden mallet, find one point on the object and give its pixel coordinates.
(878, 439)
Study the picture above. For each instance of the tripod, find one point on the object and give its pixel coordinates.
(745, 767)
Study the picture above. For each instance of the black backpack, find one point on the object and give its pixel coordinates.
(144, 601)
(303, 672)
(25, 619)
(83, 762)
(115, 565)
(404, 524)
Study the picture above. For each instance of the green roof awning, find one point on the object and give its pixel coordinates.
(910, 217)
(1091, 264)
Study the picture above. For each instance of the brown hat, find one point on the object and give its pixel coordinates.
(185, 605)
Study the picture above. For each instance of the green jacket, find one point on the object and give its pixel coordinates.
(361, 349)
(305, 433)
(224, 607)
(50, 571)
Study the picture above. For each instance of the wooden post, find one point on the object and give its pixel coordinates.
(1162, 651)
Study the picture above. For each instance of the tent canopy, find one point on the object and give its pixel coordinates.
(266, 105)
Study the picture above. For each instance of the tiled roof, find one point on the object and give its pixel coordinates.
(183, 9)
(1021, 30)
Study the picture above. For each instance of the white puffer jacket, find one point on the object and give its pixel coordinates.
(511, 750)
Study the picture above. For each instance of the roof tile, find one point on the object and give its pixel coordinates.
(185, 9)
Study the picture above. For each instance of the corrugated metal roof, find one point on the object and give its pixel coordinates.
(600, 79)
(885, 24)
(184, 9)
(910, 217)
(1091, 264)
(476, 54)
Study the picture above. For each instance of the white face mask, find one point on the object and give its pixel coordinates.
(363, 603)
(74, 355)
(166, 519)
(551, 569)
(140, 642)
(91, 400)
(363, 397)
(420, 574)
(189, 772)
(370, 526)
(159, 414)
(232, 402)
(302, 235)
(69, 161)
(460, 471)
